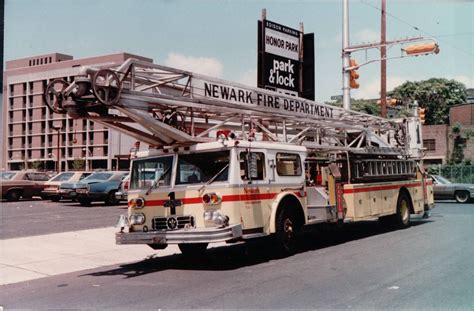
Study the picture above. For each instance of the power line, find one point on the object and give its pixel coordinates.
(415, 27)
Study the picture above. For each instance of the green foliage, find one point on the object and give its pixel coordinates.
(458, 150)
(461, 173)
(435, 94)
(456, 128)
(78, 164)
(35, 165)
(361, 105)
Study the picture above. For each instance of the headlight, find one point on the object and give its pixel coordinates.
(219, 219)
(137, 219)
(136, 203)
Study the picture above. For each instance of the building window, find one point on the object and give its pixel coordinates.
(429, 144)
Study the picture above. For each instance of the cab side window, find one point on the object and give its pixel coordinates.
(288, 164)
(252, 166)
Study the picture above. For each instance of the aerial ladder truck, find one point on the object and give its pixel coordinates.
(230, 162)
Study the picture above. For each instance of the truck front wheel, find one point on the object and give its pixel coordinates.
(288, 228)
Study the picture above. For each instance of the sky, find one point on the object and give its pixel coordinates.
(219, 38)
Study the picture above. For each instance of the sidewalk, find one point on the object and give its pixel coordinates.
(28, 258)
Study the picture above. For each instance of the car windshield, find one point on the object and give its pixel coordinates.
(63, 177)
(99, 176)
(145, 171)
(442, 180)
(199, 168)
(7, 175)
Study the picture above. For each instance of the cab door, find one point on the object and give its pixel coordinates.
(254, 190)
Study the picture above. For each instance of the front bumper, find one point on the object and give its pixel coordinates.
(190, 235)
(94, 196)
(121, 196)
(50, 193)
(67, 193)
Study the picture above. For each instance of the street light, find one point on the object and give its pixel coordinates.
(88, 154)
(58, 153)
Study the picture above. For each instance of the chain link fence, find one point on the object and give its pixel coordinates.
(455, 173)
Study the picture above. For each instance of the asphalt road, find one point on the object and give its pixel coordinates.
(427, 266)
(38, 217)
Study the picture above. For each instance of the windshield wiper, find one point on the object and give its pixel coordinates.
(210, 181)
(155, 184)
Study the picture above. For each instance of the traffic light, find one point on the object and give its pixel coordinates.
(419, 49)
(354, 75)
(392, 102)
(422, 115)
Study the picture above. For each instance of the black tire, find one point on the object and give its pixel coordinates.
(84, 202)
(195, 249)
(55, 199)
(462, 196)
(111, 199)
(43, 197)
(288, 229)
(13, 195)
(402, 217)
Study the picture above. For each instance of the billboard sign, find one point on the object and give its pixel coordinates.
(282, 41)
(281, 62)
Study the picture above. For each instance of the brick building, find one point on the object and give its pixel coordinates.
(435, 140)
(28, 125)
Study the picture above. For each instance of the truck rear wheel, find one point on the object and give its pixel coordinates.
(402, 217)
(194, 249)
(288, 228)
(461, 196)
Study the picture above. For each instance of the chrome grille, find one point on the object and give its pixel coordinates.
(160, 223)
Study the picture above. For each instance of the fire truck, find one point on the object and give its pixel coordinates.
(227, 162)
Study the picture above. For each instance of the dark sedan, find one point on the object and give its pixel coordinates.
(22, 184)
(100, 186)
(447, 190)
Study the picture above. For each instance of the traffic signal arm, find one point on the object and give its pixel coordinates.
(419, 49)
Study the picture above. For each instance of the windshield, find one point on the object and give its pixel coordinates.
(7, 175)
(201, 167)
(145, 171)
(99, 176)
(63, 177)
(442, 180)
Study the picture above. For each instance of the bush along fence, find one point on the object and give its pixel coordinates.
(456, 173)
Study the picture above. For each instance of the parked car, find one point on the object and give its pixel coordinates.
(122, 193)
(22, 184)
(100, 186)
(445, 189)
(145, 179)
(53, 189)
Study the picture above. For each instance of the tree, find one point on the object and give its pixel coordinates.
(78, 164)
(437, 95)
(361, 105)
(36, 165)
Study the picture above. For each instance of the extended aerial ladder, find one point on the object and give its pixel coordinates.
(164, 107)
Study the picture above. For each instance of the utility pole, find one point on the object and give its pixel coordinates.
(346, 90)
(58, 152)
(383, 65)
